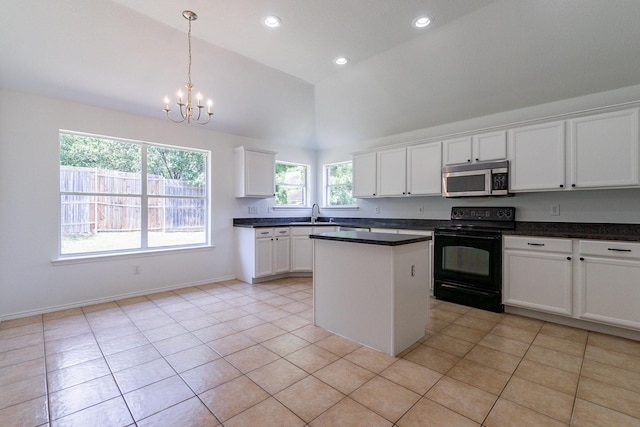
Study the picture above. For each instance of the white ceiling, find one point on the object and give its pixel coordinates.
(479, 57)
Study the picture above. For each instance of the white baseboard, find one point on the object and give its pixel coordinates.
(111, 298)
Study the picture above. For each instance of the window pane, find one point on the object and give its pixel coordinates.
(291, 184)
(339, 173)
(290, 195)
(174, 172)
(176, 221)
(98, 165)
(340, 196)
(99, 223)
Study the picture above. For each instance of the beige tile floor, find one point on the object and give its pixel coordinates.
(235, 354)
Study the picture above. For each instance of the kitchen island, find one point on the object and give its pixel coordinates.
(372, 287)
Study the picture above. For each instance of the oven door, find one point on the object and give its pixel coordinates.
(470, 260)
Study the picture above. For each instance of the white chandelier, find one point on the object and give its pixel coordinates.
(188, 111)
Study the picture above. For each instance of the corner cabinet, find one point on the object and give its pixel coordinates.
(609, 282)
(604, 150)
(255, 172)
(538, 274)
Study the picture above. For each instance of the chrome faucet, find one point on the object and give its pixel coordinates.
(315, 212)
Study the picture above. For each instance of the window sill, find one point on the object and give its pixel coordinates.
(81, 259)
(275, 208)
(345, 208)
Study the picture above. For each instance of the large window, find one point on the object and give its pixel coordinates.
(338, 184)
(118, 195)
(291, 184)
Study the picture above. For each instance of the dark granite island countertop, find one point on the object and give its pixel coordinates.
(369, 238)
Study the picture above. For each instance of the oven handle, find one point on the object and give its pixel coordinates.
(466, 236)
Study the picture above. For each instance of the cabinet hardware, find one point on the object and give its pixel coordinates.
(477, 160)
(568, 258)
(264, 232)
(573, 185)
(619, 250)
(535, 244)
(581, 259)
(468, 160)
(413, 270)
(561, 185)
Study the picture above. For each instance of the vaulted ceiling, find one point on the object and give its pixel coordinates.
(478, 57)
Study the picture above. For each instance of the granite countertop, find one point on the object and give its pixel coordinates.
(566, 230)
(366, 237)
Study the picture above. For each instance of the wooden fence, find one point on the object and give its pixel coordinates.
(93, 213)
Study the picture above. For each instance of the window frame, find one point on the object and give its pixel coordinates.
(327, 186)
(143, 197)
(305, 187)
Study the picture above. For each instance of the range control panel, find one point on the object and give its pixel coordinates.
(484, 214)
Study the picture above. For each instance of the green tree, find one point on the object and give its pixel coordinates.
(103, 153)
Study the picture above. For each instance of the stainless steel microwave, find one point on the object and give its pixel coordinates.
(478, 179)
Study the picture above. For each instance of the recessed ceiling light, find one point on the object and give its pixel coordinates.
(342, 60)
(272, 21)
(421, 22)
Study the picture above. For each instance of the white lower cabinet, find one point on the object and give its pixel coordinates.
(592, 280)
(609, 282)
(538, 274)
(302, 247)
(261, 252)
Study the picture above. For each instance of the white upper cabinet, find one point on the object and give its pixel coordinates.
(604, 150)
(255, 172)
(364, 175)
(424, 169)
(490, 146)
(537, 157)
(477, 148)
(457, 151)
(392, 172)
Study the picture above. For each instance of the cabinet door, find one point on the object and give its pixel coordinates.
(302, 252)
(490, 146)
(259, 170)
(537, 155)
(264, 257)
(538, 280)
(364, 175)
(456, 151)
(610, 291)
(605, 150)
(281, 255)
(392, 172)
(424, 169)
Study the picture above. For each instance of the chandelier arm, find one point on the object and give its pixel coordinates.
(170, 118)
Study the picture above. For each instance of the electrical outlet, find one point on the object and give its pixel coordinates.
(253, 209)
(377, 209)
(555, 210)
(421, 209)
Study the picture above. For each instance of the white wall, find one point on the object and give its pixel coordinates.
(29, 175)
(618, 206)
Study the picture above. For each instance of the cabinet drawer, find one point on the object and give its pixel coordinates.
(610, 249)
(281, 231)
(264, 232)
(538, 244)
(301, 231)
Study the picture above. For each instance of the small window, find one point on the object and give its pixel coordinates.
(291, 184)
(123, 196)
(338, 185)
